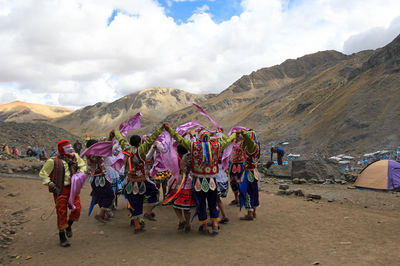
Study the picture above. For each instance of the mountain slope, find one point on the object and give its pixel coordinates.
(18, 111)
(323, 103)
(154, 103)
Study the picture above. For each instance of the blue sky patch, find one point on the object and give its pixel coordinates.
(219, 10)
(115, 12)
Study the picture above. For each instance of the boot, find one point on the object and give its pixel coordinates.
(63, 240)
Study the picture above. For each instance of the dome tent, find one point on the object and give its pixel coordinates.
(383, 175)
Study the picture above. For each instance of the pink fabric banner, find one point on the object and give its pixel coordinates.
(132, 123)
(167, 160)
(205, 114)
(228, 150)
(77, 181)
(118, 162)
(182, 129)
(102, 149)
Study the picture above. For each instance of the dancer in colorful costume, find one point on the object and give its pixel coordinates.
(205, 156)
(159, 171)
(56, 173)
(236, 167)
(185, 201)
(138, 184)
(222, 182)
(102, 192)
(249, 186)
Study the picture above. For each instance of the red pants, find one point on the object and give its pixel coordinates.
(62, 208)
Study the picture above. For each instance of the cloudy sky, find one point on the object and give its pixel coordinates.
(74, 53)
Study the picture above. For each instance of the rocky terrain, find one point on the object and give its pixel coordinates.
(22, 135)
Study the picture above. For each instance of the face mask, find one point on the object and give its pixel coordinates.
(69, 150)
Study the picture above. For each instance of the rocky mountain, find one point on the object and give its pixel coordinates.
(325, 103)
(154, 103)
(22, 135)
(18, 111)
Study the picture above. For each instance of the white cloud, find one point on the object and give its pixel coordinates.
(372, 38)
(63, 52)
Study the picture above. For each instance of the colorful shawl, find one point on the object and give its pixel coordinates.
(228, 150)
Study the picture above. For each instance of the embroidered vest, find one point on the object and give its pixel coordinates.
(198, 166)
(251, 161)
(238, 154)
(135, 168)
(57, 176)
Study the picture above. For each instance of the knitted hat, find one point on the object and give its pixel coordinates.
(60, 146)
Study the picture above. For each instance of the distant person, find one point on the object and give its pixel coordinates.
(53, 153)
(15, 151)
(77, 147)
(43, 155)
(6, 149)
(280, 152)
(30, 152)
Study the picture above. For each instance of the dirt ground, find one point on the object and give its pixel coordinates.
(345, 227)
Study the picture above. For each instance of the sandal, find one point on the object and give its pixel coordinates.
(215, 230)
(181, 225)
(246, 218)
(224, 220)
(149, 217)
(140, 230)
(187, 228)
(99, 218)
(203, 232)
(233, 202)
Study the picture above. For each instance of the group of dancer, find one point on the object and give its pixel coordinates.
(190, 167)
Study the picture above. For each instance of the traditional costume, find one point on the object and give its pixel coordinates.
(137, 182)
(102, 191)
(249, 187)
(56, 173)
(185, 201)
(205, 156)
(236, 168)
(158, 170)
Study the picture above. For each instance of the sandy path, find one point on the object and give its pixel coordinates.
(287, 231)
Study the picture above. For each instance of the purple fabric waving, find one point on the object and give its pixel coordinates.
(205, 114)
(182, 129)
(132, 123)
(102, 149)
(167, 160)
(228, 150)
(77, 181)
(118, 162)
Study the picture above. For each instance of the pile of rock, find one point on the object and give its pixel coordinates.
(284, 190)
(20, 169)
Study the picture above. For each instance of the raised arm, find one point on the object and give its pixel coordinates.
(121, 140)
(184, 142)
(249, 143)
(225, 143)
(145, 147)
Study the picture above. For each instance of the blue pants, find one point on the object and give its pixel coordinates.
(136, 201)
(211, 197)
(252, 194)
(104, 195)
